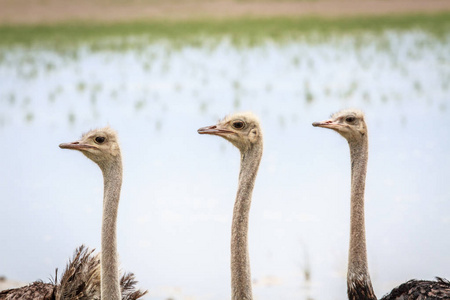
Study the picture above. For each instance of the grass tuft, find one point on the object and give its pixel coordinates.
(240, 31)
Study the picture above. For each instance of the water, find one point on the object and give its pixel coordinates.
(179, 187)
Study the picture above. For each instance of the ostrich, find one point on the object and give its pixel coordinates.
(86, 276)
(244, 132)
(102, 147)
(351, 125)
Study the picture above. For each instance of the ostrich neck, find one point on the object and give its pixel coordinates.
(112, 176)
(241, 284)
(358, 280)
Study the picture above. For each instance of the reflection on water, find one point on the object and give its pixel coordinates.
(179, 187)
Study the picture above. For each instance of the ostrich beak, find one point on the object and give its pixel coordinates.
(214, 130)
(326, 124)
(76, 146)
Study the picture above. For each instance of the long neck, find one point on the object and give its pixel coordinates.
(112, 177)
(241, 285)
(359, 286)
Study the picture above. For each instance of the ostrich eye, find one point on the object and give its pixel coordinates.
(99, 139)
(238, 124)
(350, 119)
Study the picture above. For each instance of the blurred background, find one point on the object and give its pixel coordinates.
(156, 71)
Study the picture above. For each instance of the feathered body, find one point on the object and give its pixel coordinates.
(421, 289)
(36, 290)
(80, 281)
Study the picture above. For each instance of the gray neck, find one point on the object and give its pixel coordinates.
(241, 283)
(112, 177)
(359, 285)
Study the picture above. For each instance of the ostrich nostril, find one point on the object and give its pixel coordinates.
(206, 129)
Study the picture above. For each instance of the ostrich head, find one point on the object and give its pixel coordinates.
(99, 145)
(240, 129)
(349, 123)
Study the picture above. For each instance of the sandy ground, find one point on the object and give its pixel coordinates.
(53, 11)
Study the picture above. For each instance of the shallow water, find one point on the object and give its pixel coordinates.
(179, 187)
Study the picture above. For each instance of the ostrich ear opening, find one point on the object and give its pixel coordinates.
(253, 135)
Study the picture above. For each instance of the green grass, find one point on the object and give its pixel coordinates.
(241, 30)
